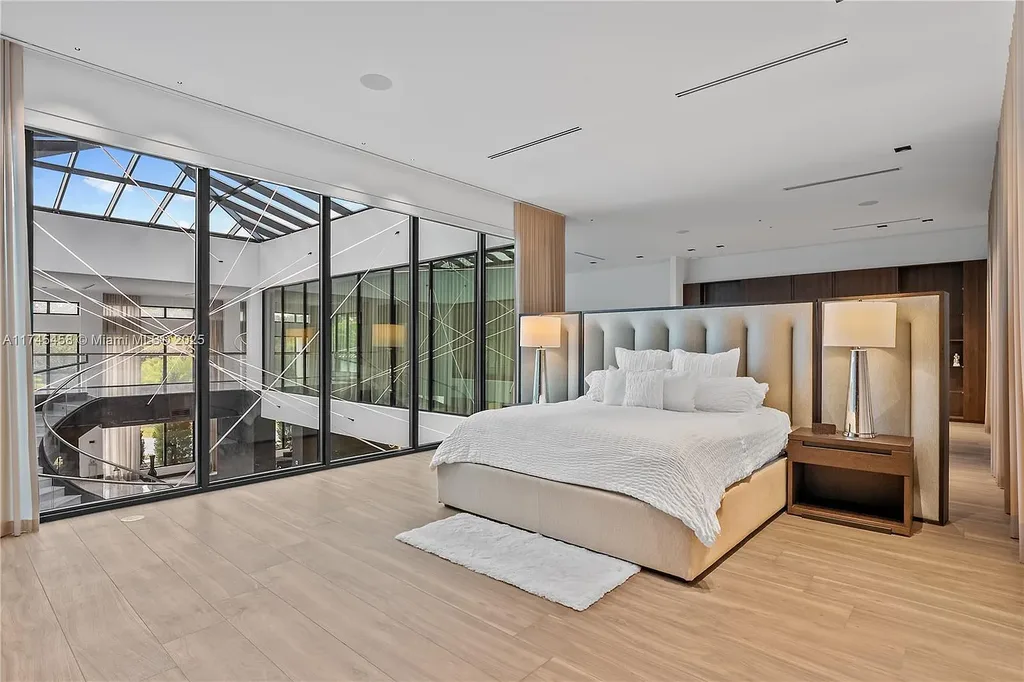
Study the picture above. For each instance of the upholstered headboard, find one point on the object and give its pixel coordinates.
(909, 392)
(776, 343)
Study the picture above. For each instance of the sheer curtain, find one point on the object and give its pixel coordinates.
(1006, 292)
(19, 489)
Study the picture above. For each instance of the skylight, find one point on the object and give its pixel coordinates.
(88, 179)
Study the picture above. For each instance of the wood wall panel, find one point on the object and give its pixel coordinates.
(965, 282)
(975, 278)
(768, 289)
(812, 286)
(938, 277)
(725, 293)
(865, 282)
(691, 294)
(540, 259)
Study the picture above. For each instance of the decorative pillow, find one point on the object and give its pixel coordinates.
(729, 394)
(635, 389)
(642, 360)
(680, 391)
(595, 384)
(707, 364)
(614, 386)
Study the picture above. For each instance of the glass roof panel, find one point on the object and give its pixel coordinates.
(221, 222)
(294, 196)
(45, 185)
(87, 195)
(180, 212)
(97, 159)
(262, 202)
(352, 206)
(138, 204)
(240, 201)
(159, 171)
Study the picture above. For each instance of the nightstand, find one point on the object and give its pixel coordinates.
(867, 482)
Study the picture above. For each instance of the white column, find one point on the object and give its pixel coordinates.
(676, 279)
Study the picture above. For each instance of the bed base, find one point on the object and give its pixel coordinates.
(611, 523)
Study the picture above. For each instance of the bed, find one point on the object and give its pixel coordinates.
(505, 466)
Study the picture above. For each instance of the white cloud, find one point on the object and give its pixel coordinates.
(107, 186)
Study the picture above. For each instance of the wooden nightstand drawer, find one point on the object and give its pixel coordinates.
(883, 461)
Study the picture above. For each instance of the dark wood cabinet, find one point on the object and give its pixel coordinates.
(965, 282)
(865, 282)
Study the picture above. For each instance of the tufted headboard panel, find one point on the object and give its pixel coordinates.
(776, 343)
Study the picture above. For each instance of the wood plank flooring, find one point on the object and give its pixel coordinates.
(301, 579)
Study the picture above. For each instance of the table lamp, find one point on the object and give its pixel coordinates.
(540, 332)
(859, 325)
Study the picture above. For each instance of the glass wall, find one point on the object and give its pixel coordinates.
(370, 333)
(264, 416)
(126, 356)
(113, 319)
(500, 316)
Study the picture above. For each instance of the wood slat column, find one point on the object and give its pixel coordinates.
(540, 259)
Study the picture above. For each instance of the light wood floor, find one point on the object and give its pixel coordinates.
(300, 579)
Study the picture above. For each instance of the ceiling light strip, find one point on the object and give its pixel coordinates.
(763, 67)
(843, 179)
(875, 224)
(542, 140)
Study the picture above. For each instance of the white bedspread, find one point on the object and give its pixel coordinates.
(678, 462)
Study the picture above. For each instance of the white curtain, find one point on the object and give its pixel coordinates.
(1005, 411)
(19, 489)
(125, 334)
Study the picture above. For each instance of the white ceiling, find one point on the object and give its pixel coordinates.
(472, 79)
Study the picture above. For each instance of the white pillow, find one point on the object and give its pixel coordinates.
(614, 386)
(635, 389)
(707, 364)
(595, 384)
(729, 394)
(680, 391)
(644, 389)
(642, 360)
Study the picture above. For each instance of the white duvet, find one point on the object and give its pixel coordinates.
(678, 462)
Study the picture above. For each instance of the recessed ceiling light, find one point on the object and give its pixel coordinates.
(870, 202)
(593, 262)
(78, 49)
(882, 227)
(904, 148)
(639, 256)
(179, 82)
(682, 232)
(375, 81)
(720, 246)
(691, 249)
(927, 220)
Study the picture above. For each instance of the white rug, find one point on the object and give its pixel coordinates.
(562, 573)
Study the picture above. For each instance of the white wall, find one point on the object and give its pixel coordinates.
(76, 99)
(642, 286)
(940, 247)
(120, 250)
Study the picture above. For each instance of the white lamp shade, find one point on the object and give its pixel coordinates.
(859, 324)
(540, 331)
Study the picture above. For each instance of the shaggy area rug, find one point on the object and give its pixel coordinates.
(565, 574)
